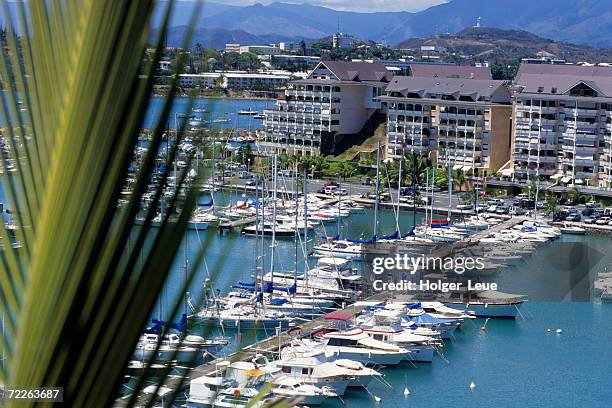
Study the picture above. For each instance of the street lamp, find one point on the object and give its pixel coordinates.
(248, 164)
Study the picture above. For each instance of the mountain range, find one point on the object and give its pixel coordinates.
(577, 21)
(587, 22)
(506, 46)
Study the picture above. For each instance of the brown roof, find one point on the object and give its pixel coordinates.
(559, 69)
(358, 70)
(494, 91)
(450, 71)
(546, 78)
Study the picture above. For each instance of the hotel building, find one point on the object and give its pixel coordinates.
(333, 102)
(463, 122)
(562, 128)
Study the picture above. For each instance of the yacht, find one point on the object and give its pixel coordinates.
(246, 317)
(355, 344)
(203, 391)
(311, 362)
(487, 303)
(292, 389)
(572, 230)
(421, 347)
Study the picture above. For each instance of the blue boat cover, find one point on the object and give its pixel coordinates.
(364, 241)
(429, 319)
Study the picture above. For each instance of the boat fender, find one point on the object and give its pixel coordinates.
(236, 392)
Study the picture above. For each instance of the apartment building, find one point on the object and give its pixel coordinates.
(456, 121)
(562, 128)
(333, 102)
(449, 71)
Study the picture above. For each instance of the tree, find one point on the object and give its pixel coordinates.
(78, 294)
(551, 203)
(458, 178)
(302, 47)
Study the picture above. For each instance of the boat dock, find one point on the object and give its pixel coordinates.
(276, 341)
(229, 225)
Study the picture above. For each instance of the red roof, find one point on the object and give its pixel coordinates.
(338, 316)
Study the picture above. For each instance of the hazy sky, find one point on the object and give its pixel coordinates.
(352, 5)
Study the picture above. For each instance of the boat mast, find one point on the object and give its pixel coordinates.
(399, 189)
(377, 188)
(273, 218)
(450, 189)
(305, 250)
(414, 185)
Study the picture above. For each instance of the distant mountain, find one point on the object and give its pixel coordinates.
(576, 21)
(508, 46)
(217, 38)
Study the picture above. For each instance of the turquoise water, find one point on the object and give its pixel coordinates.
(216, 108)
(513, 364)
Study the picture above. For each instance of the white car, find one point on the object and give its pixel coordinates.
(603, 221)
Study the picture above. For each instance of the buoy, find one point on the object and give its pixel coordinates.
(559, 331)
(377, 399)
(406, 392)
(472, 386)
(548, 330)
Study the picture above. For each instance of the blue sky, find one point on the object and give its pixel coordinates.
(353, 5)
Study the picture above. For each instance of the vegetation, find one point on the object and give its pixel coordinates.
(78, 292)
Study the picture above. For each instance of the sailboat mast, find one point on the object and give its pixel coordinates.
(377, 188)
(399, 190)
(305, 250)
(450, 190)
(273, 216)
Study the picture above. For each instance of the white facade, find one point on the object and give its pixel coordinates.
(234, 80)
(562, 129)
(317, 111)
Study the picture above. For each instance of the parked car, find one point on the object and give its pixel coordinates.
(409, 190)
(588, 220)
(465, 207)
(502, 210)
(250, 183)
(516, 211)
(331, 184)
(573, 217)
(492, 208)
(497, 201)
(603, 221)
(592, 204)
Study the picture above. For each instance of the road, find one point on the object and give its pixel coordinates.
(285, 184)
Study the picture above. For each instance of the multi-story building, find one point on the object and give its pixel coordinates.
(562, 128)
(234, 80)
(333, 102)
(449, 71)
(233, 47)
(461, 122)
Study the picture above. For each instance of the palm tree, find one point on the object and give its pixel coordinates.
(84, 282)
(551, 202)
(458, 178)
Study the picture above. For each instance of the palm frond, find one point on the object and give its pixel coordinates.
(75, 296)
